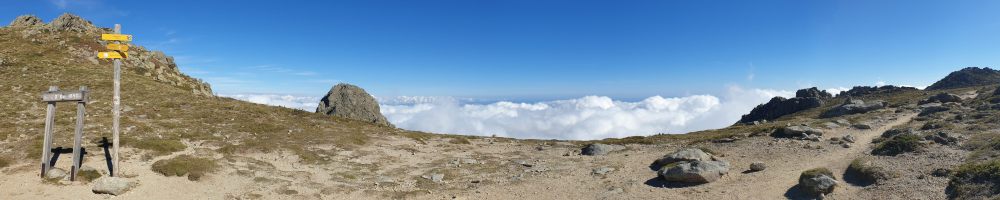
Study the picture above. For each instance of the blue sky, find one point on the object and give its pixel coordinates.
(551, 49)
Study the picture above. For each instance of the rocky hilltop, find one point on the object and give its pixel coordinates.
(971, 76)
(78, 38)
(351, 102)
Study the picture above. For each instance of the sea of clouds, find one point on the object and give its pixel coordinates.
(584, 118)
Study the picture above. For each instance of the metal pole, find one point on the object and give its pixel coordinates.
(50, 114)
(77, 154)
(116, 108)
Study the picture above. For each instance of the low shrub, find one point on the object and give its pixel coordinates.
(975, 181)
(193, 167)
(898, 145)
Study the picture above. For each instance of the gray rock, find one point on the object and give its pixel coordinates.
(854, 106)
(687, 154)
(796, 131)
(831, 125)
(942, 98)
(862, 126)
(55, 173)
(757, 166)
(817, 185)
(111, 185)
(814, 138)
(26, 21)
(813, 92)
(843, 121)
(932, 108)
(695, 171)
(780, 106)
(597, 149)
(437, 178)
(70, 22)
(603, 170)
(845, 145)
(351, 102)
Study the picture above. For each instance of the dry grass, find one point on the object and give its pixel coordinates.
(182, 165)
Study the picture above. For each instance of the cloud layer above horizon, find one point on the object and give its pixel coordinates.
(584, 118)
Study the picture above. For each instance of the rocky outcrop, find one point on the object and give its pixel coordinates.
(26, 21)
(351, 102)
(82, 41)
(854, 106)
(692, 166)
(858, 91)
(779, 106)
(942, 98)
(70, 22)
(813, 92)
(968, 77)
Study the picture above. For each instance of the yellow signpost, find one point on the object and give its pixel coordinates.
(119, 50)
(116, 37)
(118, 47)
(111, 54)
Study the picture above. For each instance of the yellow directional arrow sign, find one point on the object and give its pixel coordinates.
(118, 47)
(111, 54)
(116, 37)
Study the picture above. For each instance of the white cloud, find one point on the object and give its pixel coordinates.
(837, 90)
(590, 117)
(288, 101)
(584, 118)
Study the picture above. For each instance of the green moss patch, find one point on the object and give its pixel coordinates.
(182, 165)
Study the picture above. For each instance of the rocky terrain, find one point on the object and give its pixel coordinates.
(180, 142)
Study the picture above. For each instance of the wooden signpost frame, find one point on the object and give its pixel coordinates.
(52, 97)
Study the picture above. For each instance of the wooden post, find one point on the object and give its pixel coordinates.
(50, 114)
(77, 154)
(116, 108)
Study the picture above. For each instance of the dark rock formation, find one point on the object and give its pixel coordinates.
(858, 91)
(971, 76)
(942, 98)
(26, 21)
(813, 92)
(70, 22)
(351, 102)
(779, 106)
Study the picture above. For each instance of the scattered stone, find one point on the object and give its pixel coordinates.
(849, 138)
(603, 170)
(470, 161)
(437, 178)
(695, 171)
(817, 181)
(814, 138)
(597, 149)
(725, 140)
(854, 106)
(942, 98)
(351, 102)
(757, 166)
(932, 108)
(862, 126)
(55, 173)
(931, 125)
(843, 121)
(111, 185)
(942, 138)
(845, 145)
(524, 163)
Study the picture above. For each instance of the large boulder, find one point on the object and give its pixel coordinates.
(26, 21)
(687, 154)
(796, 131)
(111, 185)
(942, 98)
(598, 149)
(351, 102)
(73, 23)
(971, 76)
(696, 172)
(854, 106)
(817, 181)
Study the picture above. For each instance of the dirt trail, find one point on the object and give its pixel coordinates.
(783, 171)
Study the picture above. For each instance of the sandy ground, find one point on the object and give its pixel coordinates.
(393, 167)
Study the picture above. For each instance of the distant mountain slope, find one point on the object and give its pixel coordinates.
(971, 76)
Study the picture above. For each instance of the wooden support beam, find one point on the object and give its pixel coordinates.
(81, 112)
(50, 114)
